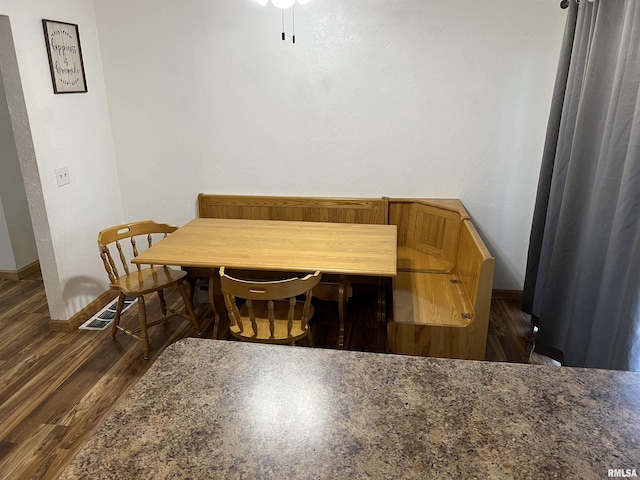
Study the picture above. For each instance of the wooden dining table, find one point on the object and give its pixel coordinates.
(291, 246)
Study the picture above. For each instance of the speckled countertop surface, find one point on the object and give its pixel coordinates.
(218, 409)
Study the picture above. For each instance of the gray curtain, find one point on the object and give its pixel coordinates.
(582, 282)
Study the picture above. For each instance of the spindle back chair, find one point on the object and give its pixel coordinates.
(271, 313)
(118, 246)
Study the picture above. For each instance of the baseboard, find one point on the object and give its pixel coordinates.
(83, 315)
(515, 295)
(9, 275)
(22, 273)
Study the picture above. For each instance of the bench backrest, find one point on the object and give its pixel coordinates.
(434, 230)
(430, 227)
(308, 209)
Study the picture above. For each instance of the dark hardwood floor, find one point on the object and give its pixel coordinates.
(56, 387)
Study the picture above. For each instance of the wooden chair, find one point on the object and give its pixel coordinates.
(141, 281)
(270, 313)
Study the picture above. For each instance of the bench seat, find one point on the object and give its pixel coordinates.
(412, 260)
(440, 301)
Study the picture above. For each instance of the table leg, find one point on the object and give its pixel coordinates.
(343, 296)
(193, 274)
(382, 300)
(212, 279)
(192, 286)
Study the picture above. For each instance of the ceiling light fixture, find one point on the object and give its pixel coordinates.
(283, 5)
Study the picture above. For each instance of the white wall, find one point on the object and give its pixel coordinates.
(72, 130)
(7, 258)
(17, 241)
(377, 97)
(401, 98)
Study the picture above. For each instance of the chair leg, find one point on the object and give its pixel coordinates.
(142, 316)
(189, 308)
(163, 303)
(116, 319)
(310, 336)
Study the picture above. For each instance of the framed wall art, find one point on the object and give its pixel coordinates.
(65, 57)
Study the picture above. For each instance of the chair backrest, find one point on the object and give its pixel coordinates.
(268, 290)
(113, 237)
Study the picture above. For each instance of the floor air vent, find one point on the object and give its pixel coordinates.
(104, 317)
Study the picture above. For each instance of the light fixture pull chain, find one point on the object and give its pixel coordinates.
(282, 10)
(293, 22)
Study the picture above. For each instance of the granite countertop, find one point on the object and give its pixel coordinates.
(221, 409)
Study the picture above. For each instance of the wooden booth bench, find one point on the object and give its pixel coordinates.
(442, 293)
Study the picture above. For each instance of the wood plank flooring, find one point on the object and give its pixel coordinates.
(56, 387)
